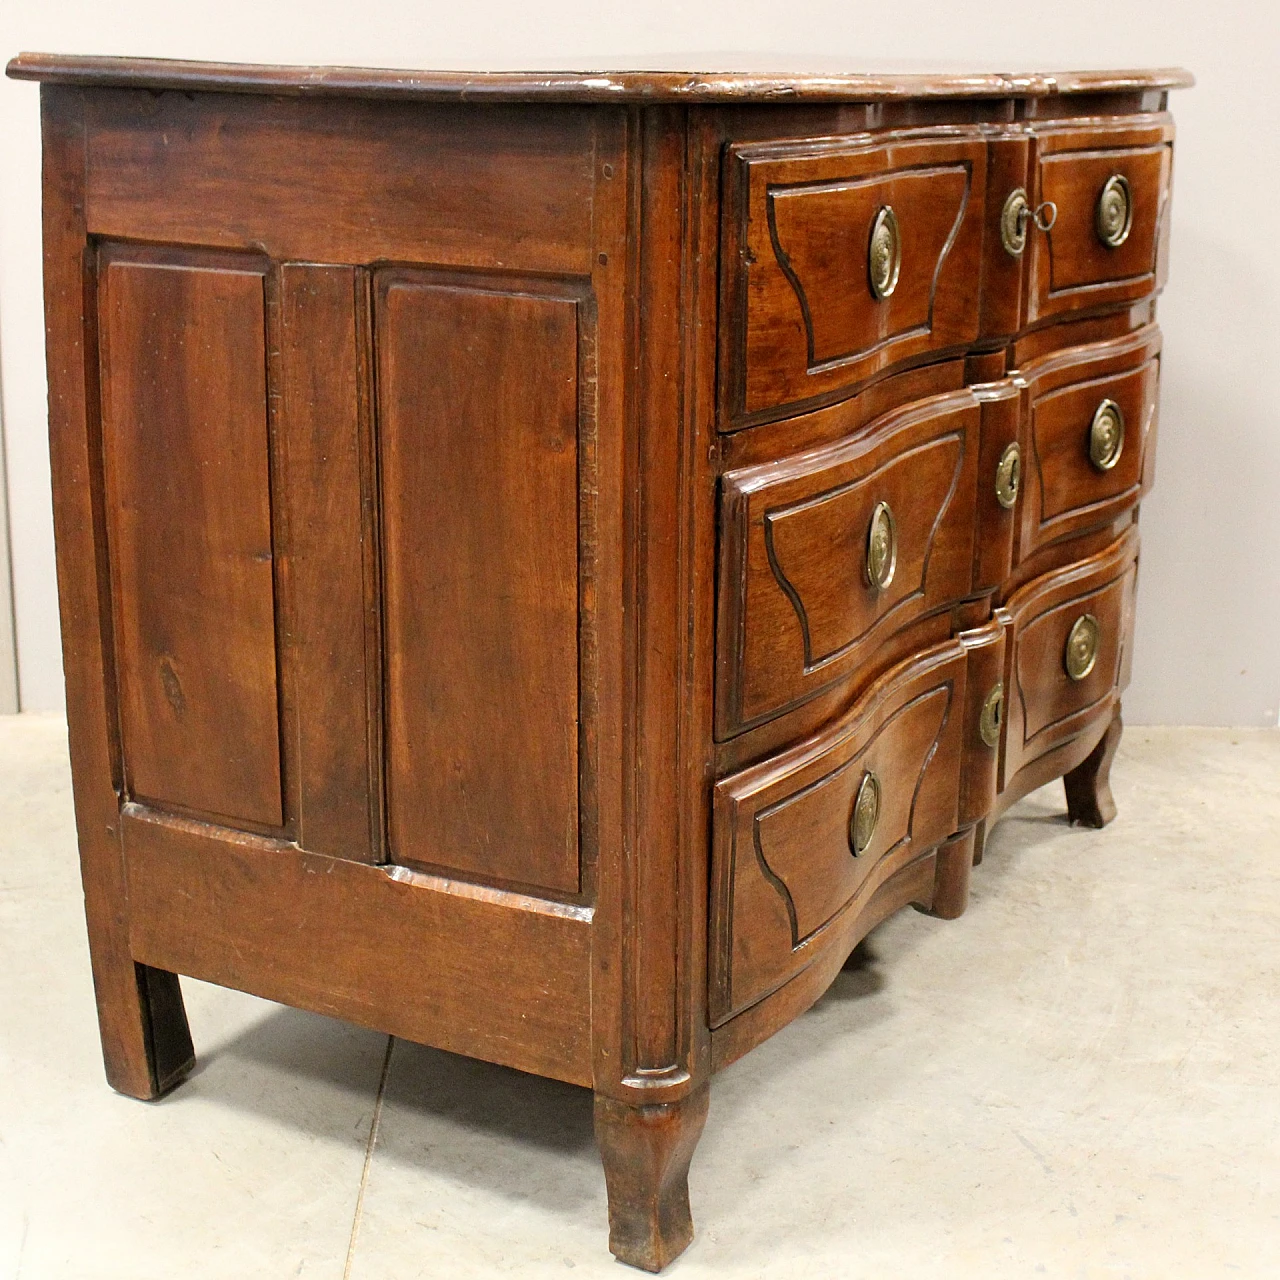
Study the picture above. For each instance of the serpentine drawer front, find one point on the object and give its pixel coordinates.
(548, 562)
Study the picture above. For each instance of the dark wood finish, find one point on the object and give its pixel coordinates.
(326, 478)
(188, 498)
(146, 1045)
(1069, 267)
(797, 609)
(737, 82)
(478, 404)
(496, 975)
(358, 182)
(461, 491)
(646, 1152)
(800, 315)
(1065, 494)
(783, 859)
(1088, 785)
(1045, 705)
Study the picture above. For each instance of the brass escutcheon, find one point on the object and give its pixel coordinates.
(1081, 650)
(1106, 435)
(882, 546)
(866, 813)
(1113, 216)
(884, 253)
(1009, 476)
(1015, 217)
(992, 716)
(1013, 222)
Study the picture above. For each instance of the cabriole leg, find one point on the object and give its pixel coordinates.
(1088, 786)
(646, 1152)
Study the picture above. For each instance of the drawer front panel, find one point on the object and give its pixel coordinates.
(786, 830)
(1092, 414)
(1070, 651)
(798, 605)
(823, 287)
(1111, 187)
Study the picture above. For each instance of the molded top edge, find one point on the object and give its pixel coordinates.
(655, 86)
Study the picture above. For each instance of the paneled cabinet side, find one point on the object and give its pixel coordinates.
(145, 1041)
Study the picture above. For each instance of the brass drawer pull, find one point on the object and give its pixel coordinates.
(1081, 652)
(884, 254)
(865, 815)
(992, 717)
(1106, 435)
(1017, 214)
(1113, 216)
(1009, 476)
(882, 546)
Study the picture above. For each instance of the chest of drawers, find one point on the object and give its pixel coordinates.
(547, 563)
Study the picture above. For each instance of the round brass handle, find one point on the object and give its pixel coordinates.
(992, 717)
(1009, 476)
(884, 253)
(1081, 651)
(1015, 217)
(866, 813)
(882, 546)
(1106, 435)
(1113, 216)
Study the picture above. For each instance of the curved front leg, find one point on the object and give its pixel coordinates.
(1088, 785)
(646, 1152)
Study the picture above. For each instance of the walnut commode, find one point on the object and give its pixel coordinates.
(548, 562)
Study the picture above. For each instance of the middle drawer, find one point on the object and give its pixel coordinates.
(825, 554)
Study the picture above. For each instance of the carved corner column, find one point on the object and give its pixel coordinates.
(650, 1037)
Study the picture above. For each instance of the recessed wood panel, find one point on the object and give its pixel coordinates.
(184, 401)
(478, 414)
(327, 591)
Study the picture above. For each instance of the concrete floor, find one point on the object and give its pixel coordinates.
(1080, 1078)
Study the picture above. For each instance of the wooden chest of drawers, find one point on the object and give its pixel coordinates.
(548, 562)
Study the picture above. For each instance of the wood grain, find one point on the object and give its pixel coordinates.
(802, 318)
(478, 405)
(492, 468)
(184, 404)
(1045, 706)
(357, 182)
(411, 955)
(324, 478)
(736, 82)
(782, 861)
(797, 611)
(1069, 268)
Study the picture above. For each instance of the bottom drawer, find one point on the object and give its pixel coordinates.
(1069, 652)
(801, 837)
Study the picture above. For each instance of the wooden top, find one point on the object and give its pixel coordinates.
(815, 83)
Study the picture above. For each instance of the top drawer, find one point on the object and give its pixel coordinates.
(842, 258)
(1110, 185)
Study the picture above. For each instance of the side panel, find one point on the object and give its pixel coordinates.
(478, 406)
(495, 975)
(184, 400)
